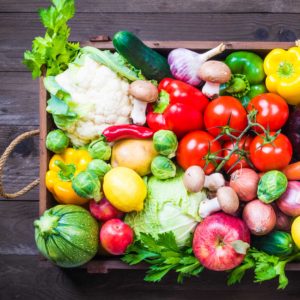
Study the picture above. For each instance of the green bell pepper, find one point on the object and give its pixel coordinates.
(248, 76)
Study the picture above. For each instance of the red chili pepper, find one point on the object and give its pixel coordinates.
(127, 131)
(179, 109)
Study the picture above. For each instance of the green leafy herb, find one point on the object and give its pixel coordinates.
(265, 266)
(163, 255)
(53, 50)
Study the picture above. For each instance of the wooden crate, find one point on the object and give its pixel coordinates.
(102, 264)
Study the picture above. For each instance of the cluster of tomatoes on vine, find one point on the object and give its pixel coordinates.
(237, 137)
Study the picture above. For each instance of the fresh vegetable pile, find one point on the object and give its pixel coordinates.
(183, 162)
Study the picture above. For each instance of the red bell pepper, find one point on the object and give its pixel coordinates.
(180, 108)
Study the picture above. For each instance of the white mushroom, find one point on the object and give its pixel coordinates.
(194, 180)
(226, 200)
(143, 92)
(214, 73)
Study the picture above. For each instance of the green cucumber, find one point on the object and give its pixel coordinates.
(152, 64)
(277, 243)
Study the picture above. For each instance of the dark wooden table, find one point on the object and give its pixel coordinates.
(22, 275)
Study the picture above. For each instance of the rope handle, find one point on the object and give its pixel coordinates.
(3, 160)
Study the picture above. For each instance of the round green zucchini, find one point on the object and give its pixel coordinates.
(67, 235)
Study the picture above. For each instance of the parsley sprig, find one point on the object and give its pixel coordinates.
(163, 255)
(265, 267)
(53, 50)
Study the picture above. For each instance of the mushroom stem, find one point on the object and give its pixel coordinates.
(209, 206)
(138, 113)
(212, 52)
(226, 200)
(211, 89)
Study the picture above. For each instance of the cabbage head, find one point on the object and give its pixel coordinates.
(168, 207)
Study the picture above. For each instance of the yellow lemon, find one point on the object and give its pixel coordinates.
(296, 231)
(125, 189)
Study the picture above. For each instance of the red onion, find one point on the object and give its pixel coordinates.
(259, 217)
(244, 182)
(283, 222)
(289, 202)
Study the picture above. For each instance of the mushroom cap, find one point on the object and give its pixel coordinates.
(214, 71)
(193, 179)
(143, 90)
(228, 199)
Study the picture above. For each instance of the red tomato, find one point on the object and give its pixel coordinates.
(269, 155)
(272, 111)
(223, 114)
(237, 160)
(198, 148)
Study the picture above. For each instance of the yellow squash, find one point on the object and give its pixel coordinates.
(62, 168)
(283, 73)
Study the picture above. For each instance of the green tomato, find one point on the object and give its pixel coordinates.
(57, 141)
(163, 168)
(100, 150)
(87, 185)
(165, 142)
(271, 186)
(99, 167)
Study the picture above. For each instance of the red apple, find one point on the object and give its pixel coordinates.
(104, 210)
(221, 242)
(116, 236)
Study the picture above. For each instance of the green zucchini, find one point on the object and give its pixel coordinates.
(67, 235)
(152, 64)
(277, 243)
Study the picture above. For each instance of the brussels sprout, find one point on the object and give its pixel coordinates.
(87, 185)
(100, 150)
(163, 168)
(165, 142)
(57, 141)
(99, 167)
(271, 186)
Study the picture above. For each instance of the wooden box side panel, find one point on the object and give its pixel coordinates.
(46, 124)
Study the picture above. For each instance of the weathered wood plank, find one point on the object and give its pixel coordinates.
(283, 27)
(23, 165)
(20, 274)
(164, 6)
(19, 99)
(16, 223)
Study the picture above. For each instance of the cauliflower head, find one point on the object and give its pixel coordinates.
(99, 98)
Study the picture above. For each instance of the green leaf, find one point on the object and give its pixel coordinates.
(156, 276)
(236, 275)
(57, 107)
(149, 242)
(187, 260)
(168, 240)
(53, 50)
(115, 62)
(163, 255)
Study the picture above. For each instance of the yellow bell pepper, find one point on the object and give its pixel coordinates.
(62, 168)
(283, 73)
